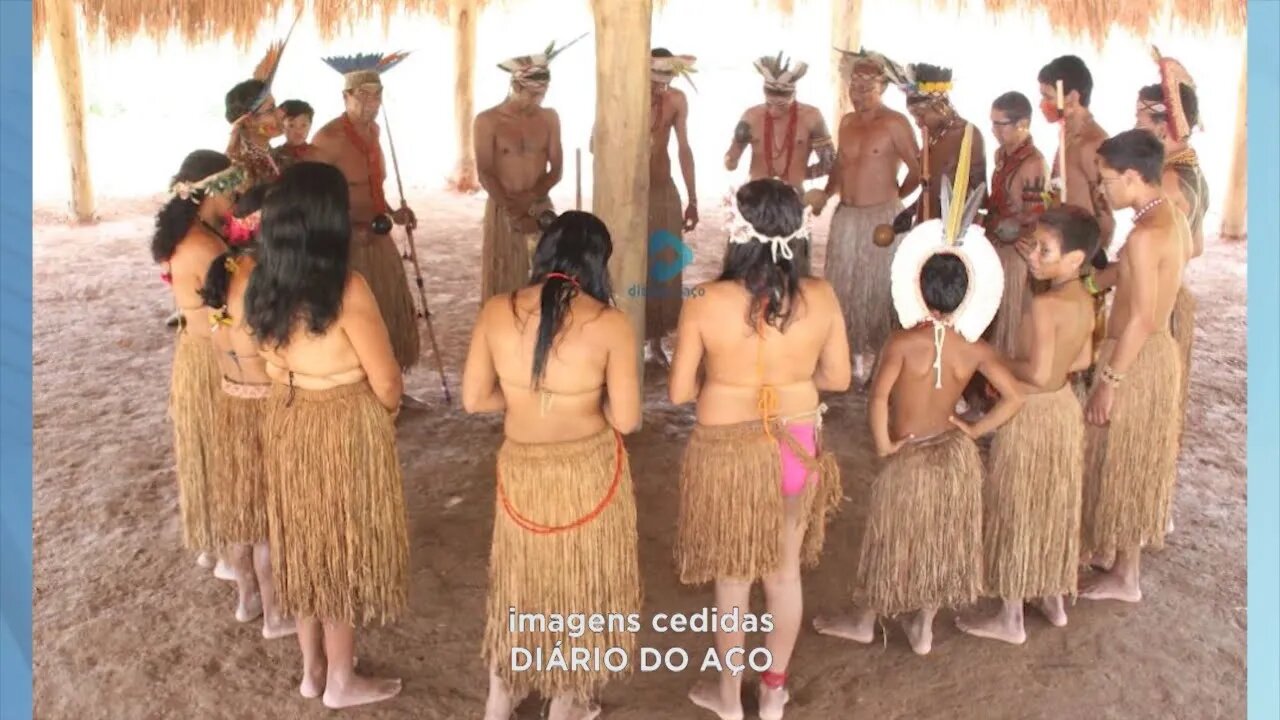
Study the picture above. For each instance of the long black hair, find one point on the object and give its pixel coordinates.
(303, 250)
(774, 209)
(572, 257)
(175, 219)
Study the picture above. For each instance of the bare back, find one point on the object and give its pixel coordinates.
(585, 363)
(1150, 267)
(187, 269)
(873, 146)
(238, 354)
(331, 145)
(318, 362)
(1054, 338)
(916, 406)
(738, 361)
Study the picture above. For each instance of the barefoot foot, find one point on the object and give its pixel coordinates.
(919, 633)
(567, 709)
(995, 627)
(313, 683)
(250, 608)
(204, 560)
(706, 695)
(1110, 586)
(773, 702)
(223, 571)
(1054, 610)
(360, 690)
(857, 628)
(274, 629)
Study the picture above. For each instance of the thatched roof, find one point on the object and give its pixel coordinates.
(198, 21)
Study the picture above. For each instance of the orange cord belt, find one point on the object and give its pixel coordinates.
(539, 528)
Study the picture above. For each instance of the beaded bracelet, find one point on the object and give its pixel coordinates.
(1109, 376)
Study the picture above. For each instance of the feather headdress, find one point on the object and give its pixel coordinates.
(929, 81)
(665, 69)
(233, 179)
(265, 72)
(780, 75)
(365, 68)
(869, 63)
(1172, 76)
(532, 70)
(953, 233)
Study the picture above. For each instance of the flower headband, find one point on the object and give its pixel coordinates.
(219, 183)
(741, 231)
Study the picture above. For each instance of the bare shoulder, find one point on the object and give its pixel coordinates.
(753, 114)
(818, 290)
(550, 115)
(356, 287)
(678, 97)
(328, 131)
(809, 113)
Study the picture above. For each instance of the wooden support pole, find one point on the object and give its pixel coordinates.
(846, 34)
(63, 42)
(621, 176)
(1235, 204)
(463, 15)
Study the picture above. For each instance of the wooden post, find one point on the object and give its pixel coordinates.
(1234, 219)
(621, 184)
(846, 34)
(463, 15)
(62, 34)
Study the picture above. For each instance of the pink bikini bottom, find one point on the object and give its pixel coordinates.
(794, 472)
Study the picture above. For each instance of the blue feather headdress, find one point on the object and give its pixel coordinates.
(365, 68)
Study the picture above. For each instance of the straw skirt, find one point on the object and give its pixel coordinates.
(564, 542)
(335, 498)
(377, 259)
(732, 508)
(1130, 464)
(192, 391)
(858, 270)
(662, 299)
(1031, 501)
(1014, 302)
(1183, 326)
(922, 547)
(506, 254)
(240, 474)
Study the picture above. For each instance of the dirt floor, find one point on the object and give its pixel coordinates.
(126, 626)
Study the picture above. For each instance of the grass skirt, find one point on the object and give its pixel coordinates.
(240, 475)
(662, 299)
(1130, 464)
(1183, 326)
(732, 508)
(506, 254)
(858, 270)
(339, 546)
(589, 568)
(192, 391)
(1014, 301)
(922, 547)
(1031, 501)
(379, 261)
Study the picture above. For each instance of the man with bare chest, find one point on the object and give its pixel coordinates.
(1131, 461)
(351, 143)
(782, 134)
(874, 144)
(519, 159)
(929, 102)
(1079, 184)
(668, 219)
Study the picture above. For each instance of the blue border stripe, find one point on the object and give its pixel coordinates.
(1264, 362)
(15, 360)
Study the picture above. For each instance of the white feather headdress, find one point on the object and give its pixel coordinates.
(953, 233)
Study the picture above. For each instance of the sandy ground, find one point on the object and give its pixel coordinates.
(126, 626)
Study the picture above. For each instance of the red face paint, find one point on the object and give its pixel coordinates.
(1050, 110)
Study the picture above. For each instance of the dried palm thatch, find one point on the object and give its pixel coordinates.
(198, 21)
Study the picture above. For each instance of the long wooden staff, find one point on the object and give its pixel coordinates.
(1062, 143)
(417, 270)
(577, 162)
(924, 172)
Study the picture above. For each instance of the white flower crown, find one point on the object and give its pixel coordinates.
(741, 231)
